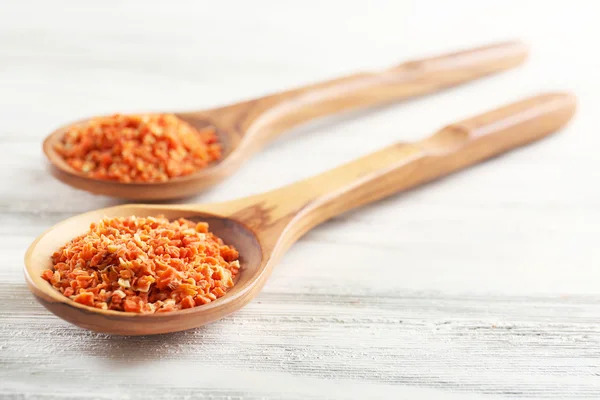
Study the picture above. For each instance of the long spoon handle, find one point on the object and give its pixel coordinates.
(402, 166)
(264, 118)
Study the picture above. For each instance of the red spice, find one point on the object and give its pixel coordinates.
(144, 265)
(138, 148)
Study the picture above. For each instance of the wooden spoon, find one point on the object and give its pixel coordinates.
(245, 127)
(263, 227)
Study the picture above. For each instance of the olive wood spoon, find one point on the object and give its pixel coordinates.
(245, 127)
(264, 226)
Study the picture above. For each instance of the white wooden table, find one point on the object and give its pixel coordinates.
(483, 285)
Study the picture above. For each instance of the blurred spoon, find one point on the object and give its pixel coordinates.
(245, 127)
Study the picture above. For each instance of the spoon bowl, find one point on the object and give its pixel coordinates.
(177, 187)
(244, 128)
(231, 231)
(262, 227)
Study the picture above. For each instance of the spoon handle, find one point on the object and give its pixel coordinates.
(402, 166)
(264, 118)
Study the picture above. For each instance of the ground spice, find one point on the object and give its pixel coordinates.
(144, 265)
(138, 148)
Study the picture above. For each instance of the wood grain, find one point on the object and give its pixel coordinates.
(244, 128)
(307, 345)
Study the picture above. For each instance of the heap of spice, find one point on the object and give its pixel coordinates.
(144, 265)
(138, 148)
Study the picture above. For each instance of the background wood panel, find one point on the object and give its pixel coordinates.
(483, 285)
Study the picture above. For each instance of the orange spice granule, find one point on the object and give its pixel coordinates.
(144, 265)
(138, 148)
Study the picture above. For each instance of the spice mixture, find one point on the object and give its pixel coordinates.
(144, 265)
(138, 148)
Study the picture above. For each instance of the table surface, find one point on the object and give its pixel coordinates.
(482, 285)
